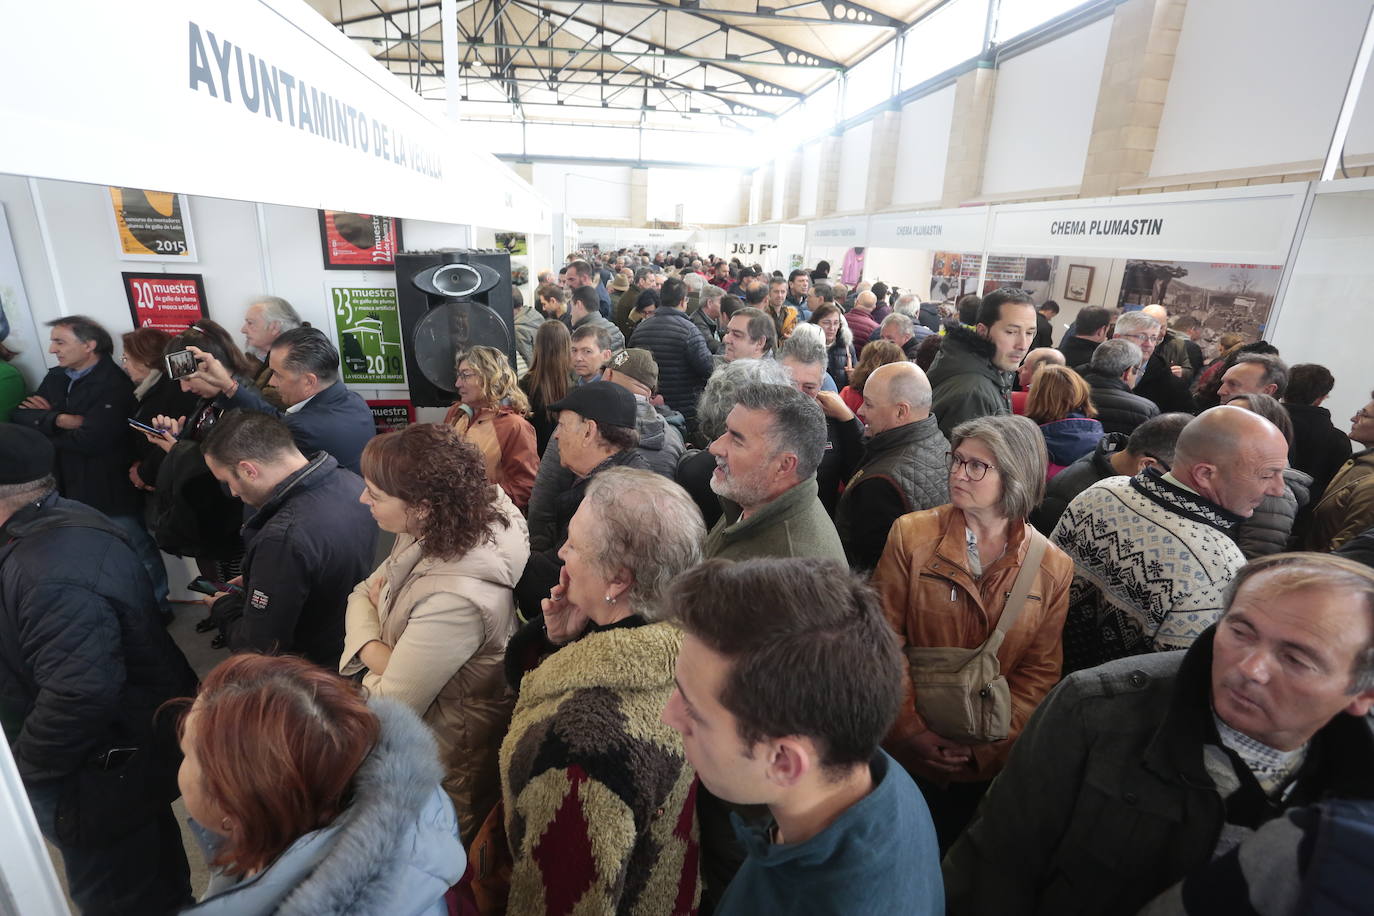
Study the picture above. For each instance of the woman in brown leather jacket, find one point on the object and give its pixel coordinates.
(945, 577)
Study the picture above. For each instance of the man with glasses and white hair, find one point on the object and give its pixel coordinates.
(1152, 553)
(267, 318)
(1156, 381)
(1111, 373)
(1133, 775)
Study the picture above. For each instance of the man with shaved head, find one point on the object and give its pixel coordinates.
(1153, 553)
(904, 466)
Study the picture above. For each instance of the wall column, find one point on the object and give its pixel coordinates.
(882, 160)
(828, 188)
(1130, 103)
(639, 197)
(968, 135)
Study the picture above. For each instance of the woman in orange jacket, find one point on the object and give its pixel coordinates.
(491, 414)
(945, 577)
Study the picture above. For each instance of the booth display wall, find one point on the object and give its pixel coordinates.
(1323, 317)
(1104, 290)
(906, 268)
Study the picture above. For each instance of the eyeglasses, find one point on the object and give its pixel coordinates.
(1143, 338)
(1362, 415)
(467, 375)
(975, 469)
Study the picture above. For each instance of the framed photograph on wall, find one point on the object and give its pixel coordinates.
(1079, 285)
(152, 225)
(359, 241)
(168, 302)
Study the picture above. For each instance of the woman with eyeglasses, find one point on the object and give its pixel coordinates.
(491, 414)
(945, 577)
(839, 342)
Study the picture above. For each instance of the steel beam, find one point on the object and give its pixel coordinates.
(771, 14)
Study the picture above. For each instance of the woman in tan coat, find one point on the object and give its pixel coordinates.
(491, 414)
(429, 628)
(945, 577)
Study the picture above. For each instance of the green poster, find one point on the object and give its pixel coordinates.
(369, 330)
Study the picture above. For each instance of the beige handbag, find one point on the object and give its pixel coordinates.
(961, 693)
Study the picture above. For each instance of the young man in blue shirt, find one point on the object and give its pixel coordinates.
(788, 679)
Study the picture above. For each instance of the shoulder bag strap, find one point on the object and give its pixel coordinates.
(1021, 587)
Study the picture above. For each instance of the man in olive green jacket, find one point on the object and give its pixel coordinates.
(766, 479)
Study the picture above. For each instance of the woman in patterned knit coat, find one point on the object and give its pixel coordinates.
(599, 798)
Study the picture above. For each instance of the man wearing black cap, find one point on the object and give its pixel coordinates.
(596, 430)
(84, 665)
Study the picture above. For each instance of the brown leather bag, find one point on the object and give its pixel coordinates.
(961, 693)
(491, 863)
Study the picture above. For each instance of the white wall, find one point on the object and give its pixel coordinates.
(1042, 113)
(923, 147)
(1259, 82)
(1324, 316)
(855, 148)
(592, 191)
(810, 178)
(708, 196)
(1106, 288)
(906, 268)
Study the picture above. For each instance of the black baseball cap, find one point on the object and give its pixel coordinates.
(605, 402)
(26, 455)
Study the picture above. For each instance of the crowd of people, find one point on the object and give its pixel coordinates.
(720, 592)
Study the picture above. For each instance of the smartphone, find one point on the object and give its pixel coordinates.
(145, 427)
(181, 364)
(211, 587)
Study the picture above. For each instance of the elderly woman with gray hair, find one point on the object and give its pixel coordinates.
(950, 579)
(588, 764)
(716, 402)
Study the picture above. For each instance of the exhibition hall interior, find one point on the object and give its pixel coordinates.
(687, 456)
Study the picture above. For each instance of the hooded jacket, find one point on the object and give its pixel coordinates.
(964, 382)
(1069, 439)
(683, 358)
(393, 850)
(307, 546)
(600, 800)
(93, 460)
(1119, 409)
(447, 622)
(84, 660)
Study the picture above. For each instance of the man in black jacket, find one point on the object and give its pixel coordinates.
(1111, 373)
(806, 360)
(84, 665)
(321, 412)
(307, 545)
(905, 464)
(83, 406)
(1089, 330)
(684, 361)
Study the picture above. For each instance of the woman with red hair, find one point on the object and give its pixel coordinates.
(306, 798)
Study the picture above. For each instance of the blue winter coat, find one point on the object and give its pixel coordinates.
(337, 421)
(394, 850)
(1071, 438)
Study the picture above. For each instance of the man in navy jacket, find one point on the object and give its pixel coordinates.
(321, 412)
(308, 543)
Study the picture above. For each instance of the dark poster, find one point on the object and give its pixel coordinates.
(358, 241)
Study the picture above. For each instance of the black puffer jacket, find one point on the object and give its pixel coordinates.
(1119, 409)
(1270, 528)
(93, 460)
(84, 659)
(684, 361)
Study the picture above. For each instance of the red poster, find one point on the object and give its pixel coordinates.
(392, 415)
(169, 302)
(358, 241)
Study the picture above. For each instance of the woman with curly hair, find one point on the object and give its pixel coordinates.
(491, 415)
(877, 353)
(429, 627)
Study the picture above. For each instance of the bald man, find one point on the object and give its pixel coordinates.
(862, 324)
(903, 468)
(1048, 356)
(1153, 553)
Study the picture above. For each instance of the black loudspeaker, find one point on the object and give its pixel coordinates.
(451, 300)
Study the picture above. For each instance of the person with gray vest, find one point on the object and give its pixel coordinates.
(904, 466)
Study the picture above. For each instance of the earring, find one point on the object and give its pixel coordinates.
(610, 600)
(226, 825)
